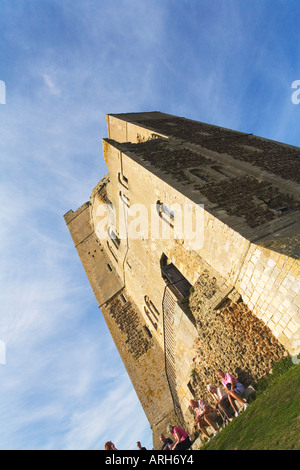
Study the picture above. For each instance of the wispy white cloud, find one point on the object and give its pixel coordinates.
(50, 83)
(116, 418)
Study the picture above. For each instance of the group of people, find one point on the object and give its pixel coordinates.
(181, 441)
(224, 401)
(111, 446)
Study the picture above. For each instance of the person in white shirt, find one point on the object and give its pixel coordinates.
(204, 417)
(221, 400)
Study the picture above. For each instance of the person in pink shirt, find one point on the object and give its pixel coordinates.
(182, 439)
(234, 388)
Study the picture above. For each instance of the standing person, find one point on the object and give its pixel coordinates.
(204, 416)
(109, 446)
(234, 388)
(166, 442)
(182, 439)
(221, 400)
(140, 446)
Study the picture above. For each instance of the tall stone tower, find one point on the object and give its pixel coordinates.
(191, 223)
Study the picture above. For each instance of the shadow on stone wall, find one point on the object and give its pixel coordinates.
(230, 337)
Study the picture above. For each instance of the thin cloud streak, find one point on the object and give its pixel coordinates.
(53, 88)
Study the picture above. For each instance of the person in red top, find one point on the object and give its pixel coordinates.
(109, 446)
(234, 388)
(182, 439)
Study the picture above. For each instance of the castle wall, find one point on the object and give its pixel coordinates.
(141, 353)
(143, 359)
(249, 219)
(93, 255)
(122, 129)
(270, 285)
(267, 276)
(142, 261)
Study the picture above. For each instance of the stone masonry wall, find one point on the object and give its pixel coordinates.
(143, 359)
(246, 297)
(267, 280)
(240, 195)
(230, 337)
(273, 157)
(269, 284)
(129, 322)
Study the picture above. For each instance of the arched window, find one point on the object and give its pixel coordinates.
(124, 199)
(123, 180)
(151, 311)
(177, 282)
(148, 331)
(165, 213)
(114, 238)
(112, 252)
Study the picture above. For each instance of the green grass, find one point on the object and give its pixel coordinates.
(272, 420)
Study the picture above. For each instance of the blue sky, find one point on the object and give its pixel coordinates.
(65, 65)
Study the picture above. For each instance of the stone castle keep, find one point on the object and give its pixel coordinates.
(177, 309)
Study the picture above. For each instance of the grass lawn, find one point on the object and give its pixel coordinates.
(271, 422)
